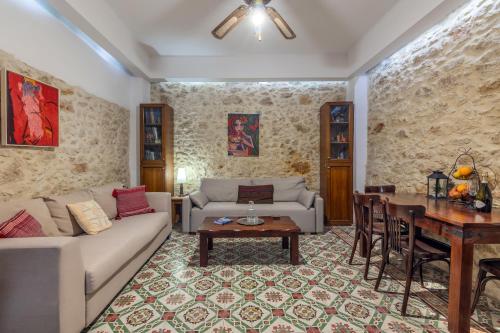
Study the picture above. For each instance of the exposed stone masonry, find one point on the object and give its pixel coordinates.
(93, 145)
(439, 94)
(289, 127)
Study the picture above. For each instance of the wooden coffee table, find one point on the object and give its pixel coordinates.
(282, 227)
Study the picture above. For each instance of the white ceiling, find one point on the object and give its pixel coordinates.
(182, 27)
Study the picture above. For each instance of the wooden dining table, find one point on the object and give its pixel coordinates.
(463, 227)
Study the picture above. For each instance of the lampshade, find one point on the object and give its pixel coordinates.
(181, 175)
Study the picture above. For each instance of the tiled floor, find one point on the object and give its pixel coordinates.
(250, 287)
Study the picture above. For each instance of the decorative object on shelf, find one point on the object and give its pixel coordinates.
(259, 12)
(437, 185)
(336, 161)
(181, 179)
(156, 140)
(243, 135)
(30, 112)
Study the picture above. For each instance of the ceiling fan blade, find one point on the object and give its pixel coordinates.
(280, 23)
(230, 22)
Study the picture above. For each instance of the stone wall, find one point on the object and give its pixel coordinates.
(93, 144)
(289, 127)
(437, 95)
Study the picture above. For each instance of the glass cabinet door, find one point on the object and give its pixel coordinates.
(339, 132)
(153, 134)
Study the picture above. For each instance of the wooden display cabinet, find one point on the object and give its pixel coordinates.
(336, 158)
(157, 147)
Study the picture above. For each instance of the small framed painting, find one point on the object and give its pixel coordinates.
(243, 135)
(30, 112)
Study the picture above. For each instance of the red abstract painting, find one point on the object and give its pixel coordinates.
(31, 116)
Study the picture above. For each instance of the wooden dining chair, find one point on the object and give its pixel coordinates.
(491, 266)
(365, 226)
(377, 211)
(400, 237)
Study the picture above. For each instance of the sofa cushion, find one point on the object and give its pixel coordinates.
(66, 223)
(285, 189)
(258, 194)
(220, 190)
(305, 218)
(306, 198)
(104, 197)
(90, 216)
(198, 198)
(105, 253)
(21, 225)
(131, 201)
(36, 208)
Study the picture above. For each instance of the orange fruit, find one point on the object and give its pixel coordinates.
(462, 188)
(465, 171)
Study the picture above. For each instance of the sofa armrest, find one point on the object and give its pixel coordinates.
(42, 283)
(186, 213)
(319, 206)
(160, 201)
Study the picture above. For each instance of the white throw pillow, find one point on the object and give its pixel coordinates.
(306, 198)
(90, 216)
(199, 199)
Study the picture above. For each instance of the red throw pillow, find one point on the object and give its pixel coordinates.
(21, 225)
(131, 201)
(260, 194)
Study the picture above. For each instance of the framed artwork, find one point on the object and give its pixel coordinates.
(30, 112)
(243, 135)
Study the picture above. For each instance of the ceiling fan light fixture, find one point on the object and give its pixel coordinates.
(258, 12)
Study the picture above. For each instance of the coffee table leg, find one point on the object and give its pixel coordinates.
(203, 251)
(284, 242)
(294, 249)
(210, 243)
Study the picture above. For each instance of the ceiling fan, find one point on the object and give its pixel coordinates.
(258, 11)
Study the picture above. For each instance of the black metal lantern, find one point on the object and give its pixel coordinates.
(437, 185)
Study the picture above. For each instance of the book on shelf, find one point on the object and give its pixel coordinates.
(152, 155)
(152, 135)
(152, 117)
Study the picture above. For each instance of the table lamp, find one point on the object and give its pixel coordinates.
(181, 179)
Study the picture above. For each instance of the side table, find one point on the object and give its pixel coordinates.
(177, 209)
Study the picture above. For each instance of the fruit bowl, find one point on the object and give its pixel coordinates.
(463, 172)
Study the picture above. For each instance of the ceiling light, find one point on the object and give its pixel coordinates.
(258, 16)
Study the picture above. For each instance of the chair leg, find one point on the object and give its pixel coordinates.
(368, 256)
(385, 258)
(421, 273)
(479, 289)
(409, 277)
(356, 239)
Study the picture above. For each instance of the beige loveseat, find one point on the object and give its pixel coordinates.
(222, 195)
(62, 283)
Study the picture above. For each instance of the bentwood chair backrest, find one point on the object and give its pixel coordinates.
(400, 225)
(380, 189)
(363, 209)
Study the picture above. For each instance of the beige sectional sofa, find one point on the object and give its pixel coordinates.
(222, 195)
(61, 283)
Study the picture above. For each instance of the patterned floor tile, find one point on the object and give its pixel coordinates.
(250, 287)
